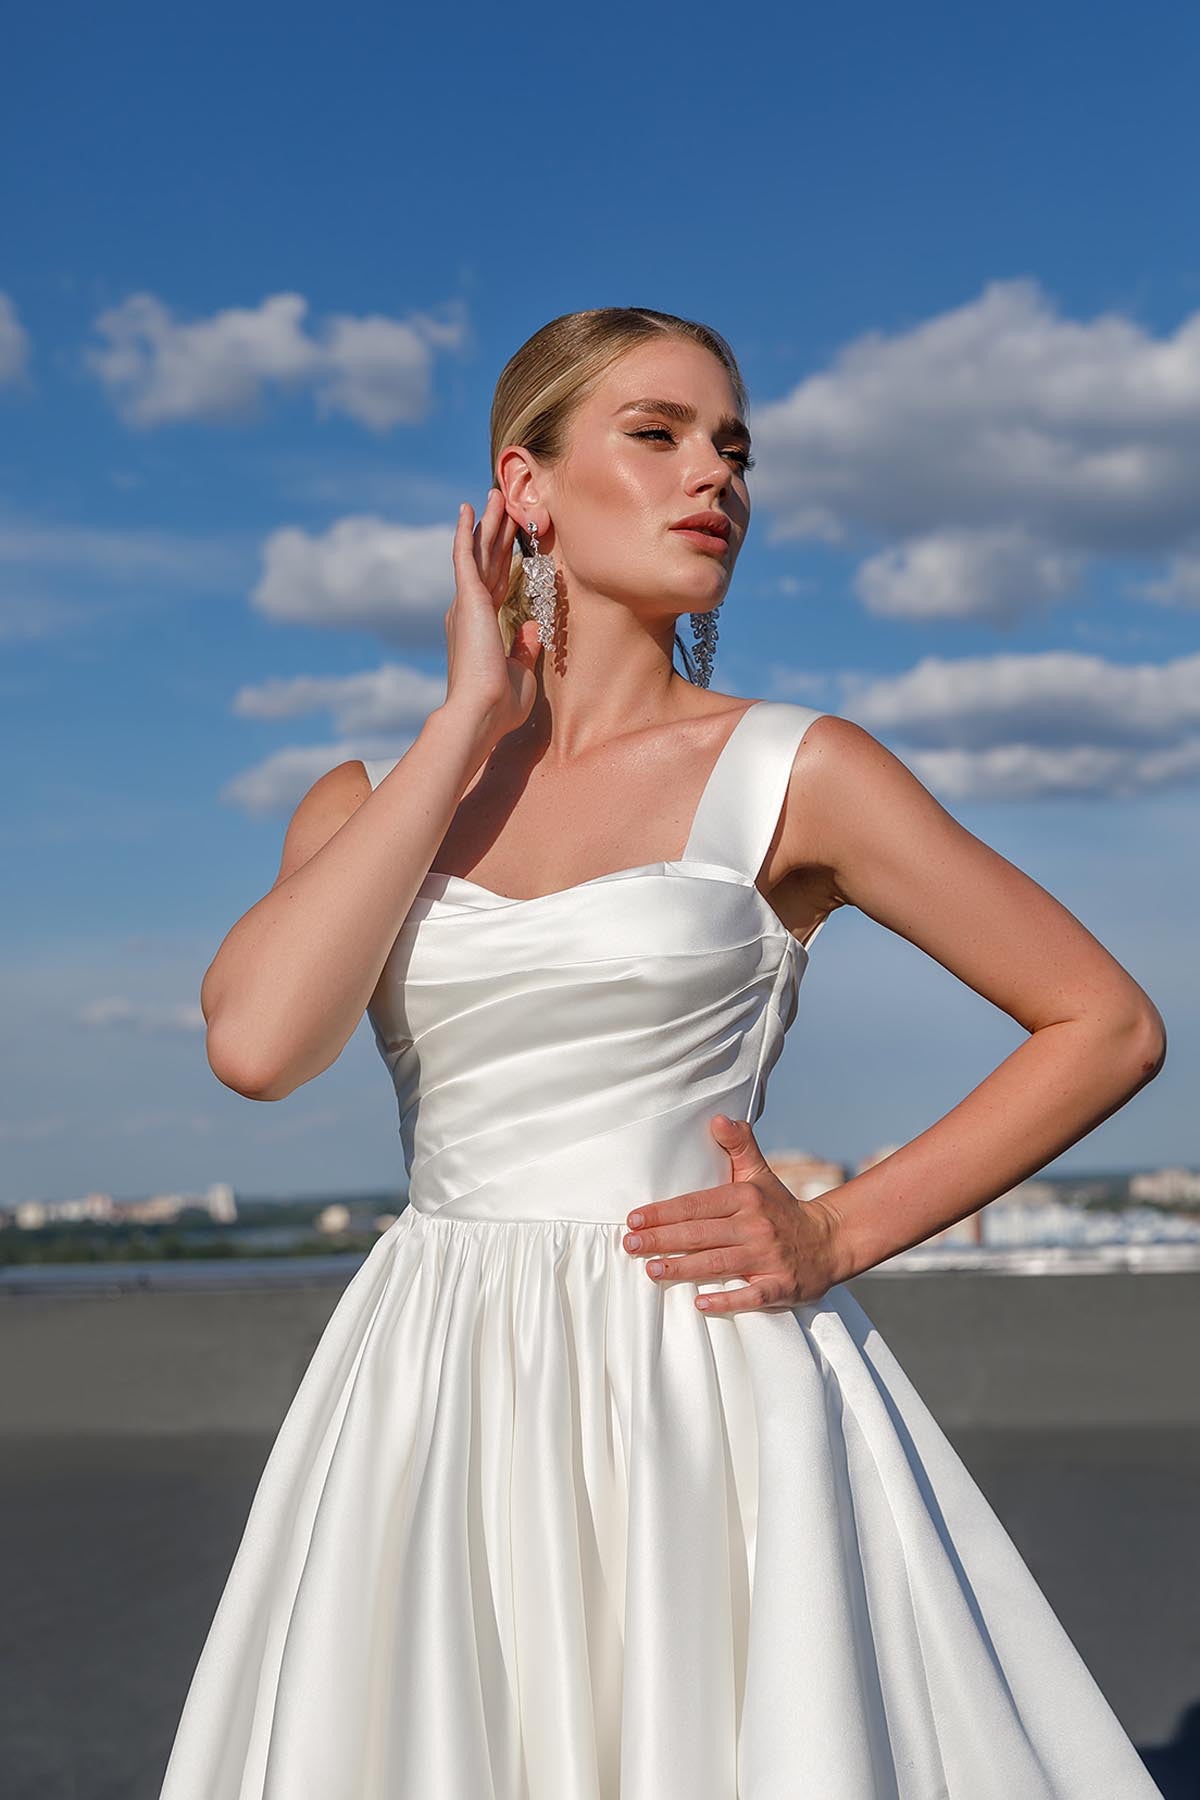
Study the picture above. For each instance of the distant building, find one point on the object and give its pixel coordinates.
(806, 1175)
(333, 1219)
(1166, 1187)
(961, 1231)
(222, 1207)
(34, 1215)
(876, 1156)
(159, 1209)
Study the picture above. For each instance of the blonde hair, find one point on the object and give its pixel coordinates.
(543, 385)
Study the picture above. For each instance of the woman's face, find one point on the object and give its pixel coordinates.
(631, 472)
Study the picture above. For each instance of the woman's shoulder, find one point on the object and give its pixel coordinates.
(321, 811)
(343, 788)
(830, 733)
(842, 778)
(820, 737)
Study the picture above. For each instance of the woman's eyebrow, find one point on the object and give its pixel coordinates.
(729, 426)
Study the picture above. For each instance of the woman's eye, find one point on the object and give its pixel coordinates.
(742, 457)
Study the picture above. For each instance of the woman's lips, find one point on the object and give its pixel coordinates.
(703, 540)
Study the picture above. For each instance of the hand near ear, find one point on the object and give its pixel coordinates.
(498, 689)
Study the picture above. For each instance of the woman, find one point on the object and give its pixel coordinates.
(599, 1482)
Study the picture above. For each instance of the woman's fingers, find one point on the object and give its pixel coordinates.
(463, 554)
(496, 534)
(470, 548)
(483, 548)
(503, 557)
(489, 531)
(485, 531)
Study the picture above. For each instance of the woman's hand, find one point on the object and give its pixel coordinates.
(498, 690)
(752, 1226)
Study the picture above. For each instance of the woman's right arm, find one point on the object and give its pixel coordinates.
(291, 980)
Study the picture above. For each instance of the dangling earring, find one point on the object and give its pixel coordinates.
(704, 632)
(538, 573)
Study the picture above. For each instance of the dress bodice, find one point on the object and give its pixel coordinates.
(561, 1056)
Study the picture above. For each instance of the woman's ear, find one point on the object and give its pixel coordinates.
(519, 480)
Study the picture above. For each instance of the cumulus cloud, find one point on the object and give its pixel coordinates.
(364, 573)
(390, 698)
(1051, 723)
(957, 574)
(15, 346)
(160, 370)
(378, 713)
(185, 1018)
(990, 452)
(1014, 727)
(276, 785)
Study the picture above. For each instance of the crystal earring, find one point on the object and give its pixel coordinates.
(704, 632)
(540, 589)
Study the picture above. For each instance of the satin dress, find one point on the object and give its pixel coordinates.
(535, 1527)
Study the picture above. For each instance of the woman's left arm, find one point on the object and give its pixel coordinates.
(1095, 1038)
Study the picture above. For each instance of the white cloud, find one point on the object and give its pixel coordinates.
(117, 1009)
(1030, 771)
(378, 713)
(375, 370)
(15, 345)
(363, 573)
(1019, 727)
(997, 574)
(390, 698)
(990, 451)
(1179, 585)
(279, 782)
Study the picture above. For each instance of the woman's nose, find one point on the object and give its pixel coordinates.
(716, 474)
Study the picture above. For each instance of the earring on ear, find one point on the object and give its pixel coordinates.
(538, 573)
(704, 632)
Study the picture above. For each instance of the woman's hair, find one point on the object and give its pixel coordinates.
(543, 385)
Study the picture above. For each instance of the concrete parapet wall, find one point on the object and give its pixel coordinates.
(983, 1350)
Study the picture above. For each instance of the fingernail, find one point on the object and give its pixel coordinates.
(655, 1266)
(636, 1219)
(633, 1241)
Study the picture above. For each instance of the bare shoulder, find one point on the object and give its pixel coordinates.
(321, 812)
(848, 797)
(829, 758)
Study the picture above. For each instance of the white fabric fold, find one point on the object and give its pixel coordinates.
(535, 1527)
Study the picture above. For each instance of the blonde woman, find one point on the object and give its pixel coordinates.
(600, 1483)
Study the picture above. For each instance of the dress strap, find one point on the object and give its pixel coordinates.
(377, 767)
(743, 798)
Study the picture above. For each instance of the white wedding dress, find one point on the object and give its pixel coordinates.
(535, 1527)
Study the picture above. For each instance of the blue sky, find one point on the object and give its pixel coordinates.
(259, 270)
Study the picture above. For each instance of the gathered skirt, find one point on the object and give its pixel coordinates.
(536, 1528)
